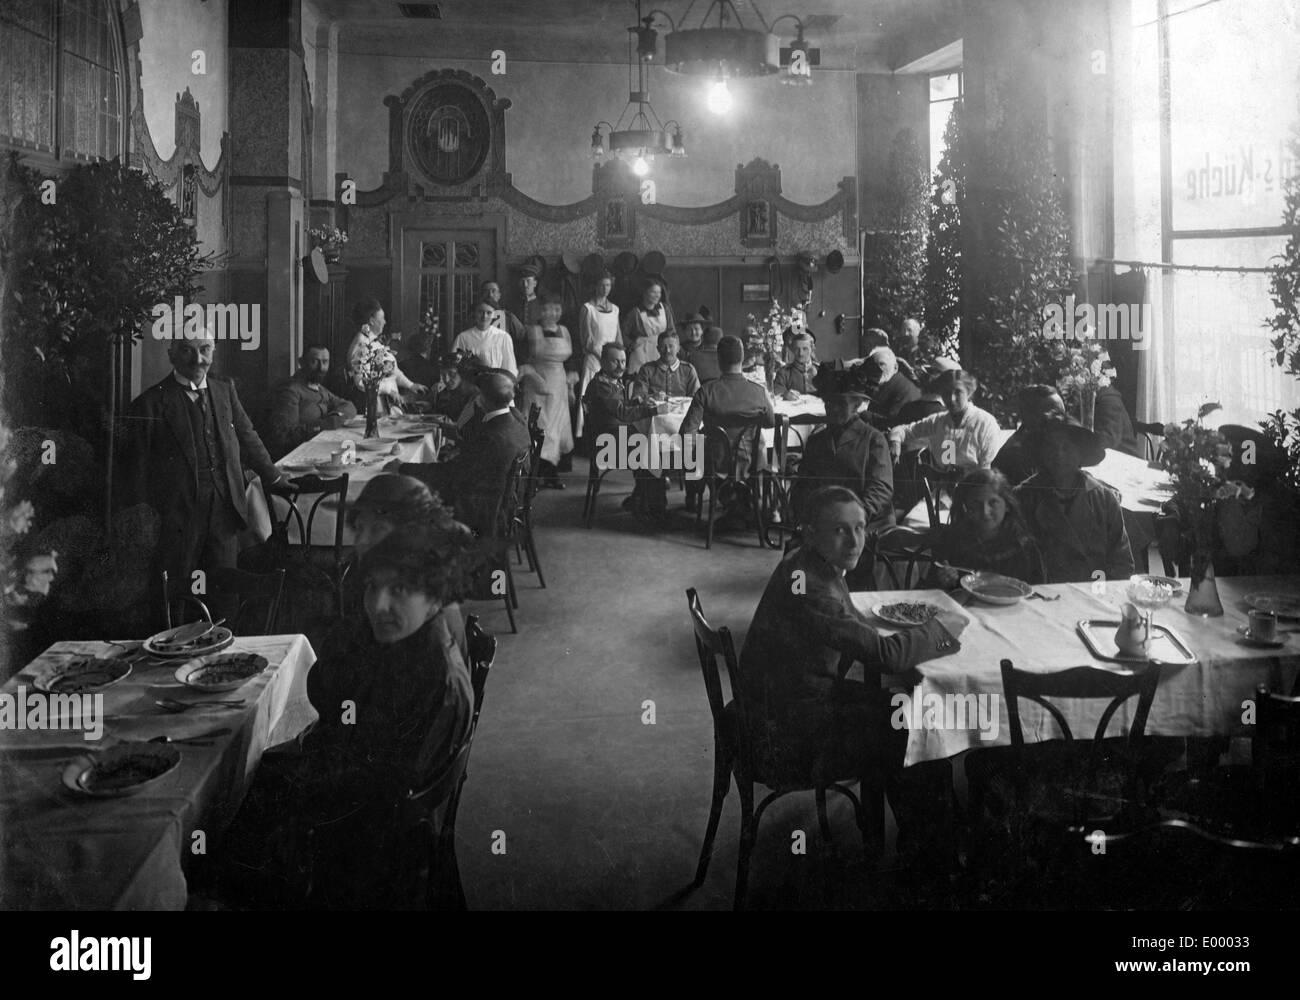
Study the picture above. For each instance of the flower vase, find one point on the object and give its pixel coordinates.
(372, 411)
(769, 373)
(1087, 407)
(1203, 599)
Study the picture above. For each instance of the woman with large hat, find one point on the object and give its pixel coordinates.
(1076, 519)
(643, 324)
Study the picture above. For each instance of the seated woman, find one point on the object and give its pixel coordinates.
(963, 436)
(395, 703)
(986, 533)
(1076, 519)
(368, 317)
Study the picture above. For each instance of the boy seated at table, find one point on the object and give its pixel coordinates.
(395, 703)
(1076, 519)
(987, 533)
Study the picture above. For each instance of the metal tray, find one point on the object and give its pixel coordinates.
(1167, 646)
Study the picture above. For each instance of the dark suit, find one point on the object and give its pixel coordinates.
(856, 456)
(201, 509)
(722, 404)
(475, 480)
(1112, 423)
(889, 398)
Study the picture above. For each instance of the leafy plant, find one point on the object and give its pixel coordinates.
(1283, 427)
(1029, 269)
(942, 283)
(898, 251)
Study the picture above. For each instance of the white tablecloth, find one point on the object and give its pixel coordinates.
(1202, 699)
(319, 449)
(60, 850)
(1136, 481)
(670, 423)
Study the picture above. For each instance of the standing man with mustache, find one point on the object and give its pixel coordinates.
(187, 440)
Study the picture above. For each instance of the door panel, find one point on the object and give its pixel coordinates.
(444, 268)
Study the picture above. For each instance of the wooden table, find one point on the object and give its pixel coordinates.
(60, 850)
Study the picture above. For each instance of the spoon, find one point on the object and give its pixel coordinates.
(172, 705)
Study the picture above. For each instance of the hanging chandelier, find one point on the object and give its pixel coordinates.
(728, 49)
(639, 136)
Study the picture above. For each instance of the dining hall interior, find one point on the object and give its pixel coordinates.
(816, 454)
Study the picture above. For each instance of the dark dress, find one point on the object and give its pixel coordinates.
(392, 717)
(1011, 552)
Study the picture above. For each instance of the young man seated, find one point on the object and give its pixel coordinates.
(669, 375)
(805, 635)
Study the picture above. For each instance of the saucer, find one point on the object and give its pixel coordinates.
(1277, 643)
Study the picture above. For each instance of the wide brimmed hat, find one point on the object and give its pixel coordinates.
(692, 318)
(1269, 463)
(654, 263)
(624, 264)
(847, 382)
(399, 497)
(593, 265)
(834, 262)
(1091, 450)
(571, 262)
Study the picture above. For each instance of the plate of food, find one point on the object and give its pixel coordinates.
(1282, 605)
(220, 671)
(86, 673)
(994, 588)
(175, 642)
(120, 770)
(905, 614)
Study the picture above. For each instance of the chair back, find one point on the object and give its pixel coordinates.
(1090, 683)
(1275, 759)
(733, 446)
(710, 645)
(534, 480)
(321, 490)
(503, 522)
(904, 552)
(482, 652)
(256, 597)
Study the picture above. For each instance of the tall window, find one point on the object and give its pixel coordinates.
(1230, 94)
(61, 78)
(945, 89)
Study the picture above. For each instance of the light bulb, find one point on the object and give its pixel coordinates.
(719, 97)
(640, 167)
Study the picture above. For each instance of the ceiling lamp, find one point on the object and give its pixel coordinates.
(639, 136)
(728, 49)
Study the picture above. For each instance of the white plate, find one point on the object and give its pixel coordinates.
(221, 671)
(1282, 605)
(376, 444)
(120, 770)
(994, 588)
(879, 611)
(218, 639)
(85, 673)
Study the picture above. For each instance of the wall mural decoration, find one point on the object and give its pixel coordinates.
(447, 142)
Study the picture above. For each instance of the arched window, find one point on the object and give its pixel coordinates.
(61, 78)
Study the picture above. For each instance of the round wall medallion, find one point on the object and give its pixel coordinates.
(448, 133)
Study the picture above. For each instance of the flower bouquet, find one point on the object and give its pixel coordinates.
(1196, 458)
(374, 365)
(1087, 368)
(768, 336)
(331, 240)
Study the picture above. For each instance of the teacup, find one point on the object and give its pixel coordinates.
(1263, 626)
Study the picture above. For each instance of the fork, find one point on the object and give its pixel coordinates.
(1045, 597)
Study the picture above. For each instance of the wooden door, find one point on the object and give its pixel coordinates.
(445, 268)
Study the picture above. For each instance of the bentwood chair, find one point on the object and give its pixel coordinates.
(524, 516)
(435, 836)
(736, 753)
(253, 598)
(1150, 432)
(905, 554)
(504, 532)
(1047, 785)
(724, 444)
(1175, 864)
(595, 474)
(290, 546)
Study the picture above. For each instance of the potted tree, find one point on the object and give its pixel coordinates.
(942, 283)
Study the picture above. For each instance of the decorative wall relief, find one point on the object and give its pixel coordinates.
(447, 144)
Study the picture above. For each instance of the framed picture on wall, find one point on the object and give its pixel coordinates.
(755, 293)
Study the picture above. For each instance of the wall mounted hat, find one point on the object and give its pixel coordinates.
(624, 264)
(314, 263)
(593, 265)
(653, 263)
(834, 262)
(571, 262)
